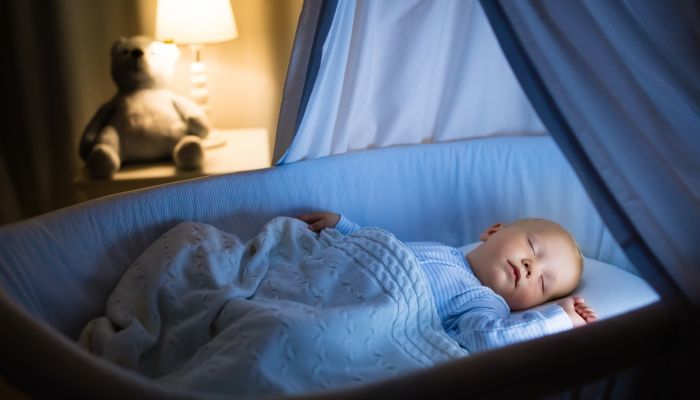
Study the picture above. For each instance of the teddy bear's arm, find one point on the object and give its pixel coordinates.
(94, 127)
(193, 115)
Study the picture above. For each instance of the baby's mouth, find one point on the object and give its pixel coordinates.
(516, 271)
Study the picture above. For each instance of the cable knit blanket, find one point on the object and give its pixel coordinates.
(290, 311)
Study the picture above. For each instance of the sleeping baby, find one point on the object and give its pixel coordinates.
(300, 308)
(517, 266)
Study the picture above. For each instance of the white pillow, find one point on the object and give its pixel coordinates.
(608, 289)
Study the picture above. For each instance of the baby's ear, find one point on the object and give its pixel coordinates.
(490, 231)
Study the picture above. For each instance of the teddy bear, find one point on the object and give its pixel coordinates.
(144, 121)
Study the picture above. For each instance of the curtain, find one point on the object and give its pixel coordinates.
(34, 119)
(55, 73)
(624, 77)
(399, 72)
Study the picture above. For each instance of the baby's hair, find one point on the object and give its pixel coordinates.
(574, 242)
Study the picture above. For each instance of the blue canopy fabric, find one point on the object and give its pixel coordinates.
(397, 72)
(617, 85)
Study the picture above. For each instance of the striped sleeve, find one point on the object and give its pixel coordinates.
(345, 226)
(486, 324)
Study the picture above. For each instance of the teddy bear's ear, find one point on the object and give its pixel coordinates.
(117, 44)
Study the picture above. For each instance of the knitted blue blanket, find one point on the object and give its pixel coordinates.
(289, 311)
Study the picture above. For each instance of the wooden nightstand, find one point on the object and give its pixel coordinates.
(241, 150)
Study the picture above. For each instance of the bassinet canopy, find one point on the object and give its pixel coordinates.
(615, 84)
(402, 72)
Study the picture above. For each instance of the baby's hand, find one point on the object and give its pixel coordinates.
(584, 310)
(577, 309)
(319, 221)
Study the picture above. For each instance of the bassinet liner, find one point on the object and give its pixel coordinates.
(56, 270)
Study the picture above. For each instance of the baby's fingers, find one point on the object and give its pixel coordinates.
(590, 316)
(587, 313)
(580, 307)
(318, 226)
(309, 218)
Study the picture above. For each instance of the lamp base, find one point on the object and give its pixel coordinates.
(199, 93)
(199, 83)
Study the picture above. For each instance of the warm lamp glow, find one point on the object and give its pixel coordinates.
(195, 21)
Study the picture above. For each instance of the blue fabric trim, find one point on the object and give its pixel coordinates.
(551, 116)
(325, 21)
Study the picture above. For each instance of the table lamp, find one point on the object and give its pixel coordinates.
(196, 22)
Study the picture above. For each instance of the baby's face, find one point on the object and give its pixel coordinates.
(527, 264)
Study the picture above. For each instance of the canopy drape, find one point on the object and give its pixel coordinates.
(624, 76)
(396, 72)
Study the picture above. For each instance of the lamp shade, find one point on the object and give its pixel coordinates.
(195, 21)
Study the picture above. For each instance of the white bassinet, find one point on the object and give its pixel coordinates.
(57, 270)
